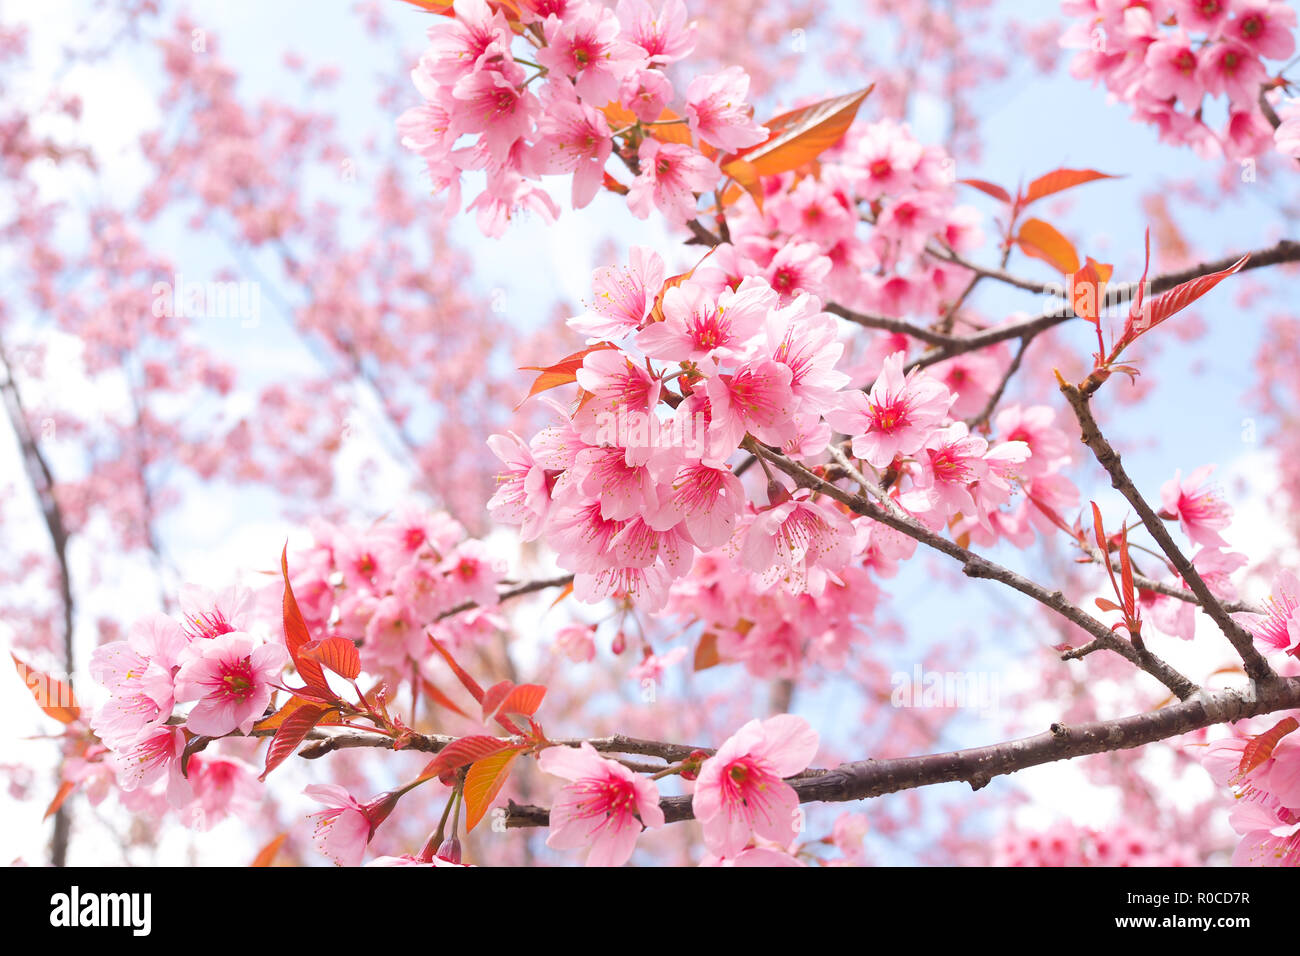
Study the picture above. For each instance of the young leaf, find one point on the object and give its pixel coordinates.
(988, 188)
(1181, 296)
(563, 372)
(296, 634)
(337, 653)
(797, 137)
(52, 696)
(493, 696)
(1059, 180)
(292, 732)
(464, 751)
(706, 652)
(524, 700)
(65, 791)
(484, 781)
(266, 855)
(1042, 241)
(1261, 746)
(438, 697)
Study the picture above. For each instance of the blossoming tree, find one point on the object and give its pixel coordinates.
(622, 646)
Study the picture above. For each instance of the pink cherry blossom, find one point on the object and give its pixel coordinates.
(231, 678)
(740, 792)
(605, 807)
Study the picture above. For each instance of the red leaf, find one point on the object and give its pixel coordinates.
(706, 652)
(1178, 298)
(797, 137)
(337, 653)
(493, 697)
(266, 855)
(988, 188)
(524, 699)
(52, 696)
(1042, 241)
(563, 372)
(1126, 576)
(657, 310)
(1261, 747)
(293, 731)
(1107, 605)
(483, 782)
(296, 634)
(65, 791)
(1059, 180)
(464, 751)
(292, 704)
(469, 683)
(438, 697)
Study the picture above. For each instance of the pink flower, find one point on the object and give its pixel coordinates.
(601, 807)
(574, 138)
(523, 494)
(663, 38)
(230, 677)
(492, 105)
(1264, 27)
(756, 399)
(1199, 508)
(1171, 70)
(575, 642)
(622, 298)
(475, 39)
(896, 418)
(586, 47)
(344, 827)
(1232, 68)
(138, 674)
(717, 112)
(740, 792)
(1279, 626)
(671, 175)
(1287, 136)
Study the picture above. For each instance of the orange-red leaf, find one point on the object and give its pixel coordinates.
(292, 732)
(293, 703)
(266, 855)
(52, 696)
(1059, 180)
(798, 137)
(65, 791)
(1106, 604)
(563, 372)
(493, 696)
(469, 683)
(484, 781)
(1260, 748)
(1087, 289)
(619, 117)
(1181, 296)
(706, 652)
(438, 697)
(1042, 241)
(296, 633)
(464, 751)
(988, 188)
(337, 653)
(657, 310)
(524, 699)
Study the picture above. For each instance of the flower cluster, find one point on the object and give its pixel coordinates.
(1267, 809)
(383, 587)
(596, 83)
(1165, 58)
(206, 659)
(748, 812)
(1067, 844)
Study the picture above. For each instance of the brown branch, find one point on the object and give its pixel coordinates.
(979, 765)
(1283, 251)
(1256, 667)
(975, 566)
(41, 479)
